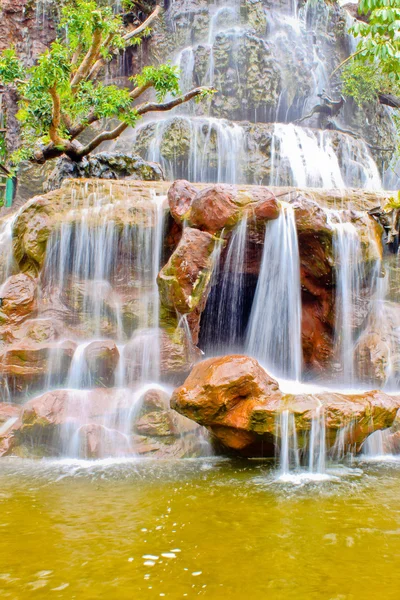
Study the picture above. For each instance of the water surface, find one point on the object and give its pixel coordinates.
(210, 528)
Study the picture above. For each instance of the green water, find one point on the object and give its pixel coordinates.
(229, 530)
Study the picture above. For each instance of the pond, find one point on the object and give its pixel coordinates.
(212, 528)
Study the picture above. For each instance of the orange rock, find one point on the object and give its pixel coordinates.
(241, 405)
(18, 295)
(180, 197)
(214, 208)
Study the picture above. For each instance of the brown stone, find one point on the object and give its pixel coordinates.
(267, 206)
(241, 404)
(27, 364)
(224, 394)
(102, 358)
(214, 208)
(97, 441)
(180, 197)
(184, 280)
(18, 295)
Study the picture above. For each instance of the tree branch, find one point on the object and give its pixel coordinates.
(56, 120)
(143, 26)
(88, 61)
(93, 118)
(141, 110)
(346, 61)
(100, 62)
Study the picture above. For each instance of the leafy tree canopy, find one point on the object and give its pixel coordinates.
(375, 66)
(62, 94)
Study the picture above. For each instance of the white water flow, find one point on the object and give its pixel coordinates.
(226, 301)
(6, 250)
(317, 443)
(215, 149)
(289, 458)
(101, 272)
(274, 332)
(349, 276)
(309, 158)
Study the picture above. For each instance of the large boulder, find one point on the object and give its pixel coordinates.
(241, 405)
(184, 280)
(214, 208)
(224, 394)
(180, 197)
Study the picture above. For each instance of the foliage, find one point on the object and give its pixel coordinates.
(375, 66)
(380, 36)
(392, 203)
(62, 94)
(163, 79)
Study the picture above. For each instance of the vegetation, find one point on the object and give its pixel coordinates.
(373, 71)
(63, 94)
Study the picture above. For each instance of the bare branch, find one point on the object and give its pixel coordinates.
(135, 32)
(165, 106)
(100, 62)
(346, 60)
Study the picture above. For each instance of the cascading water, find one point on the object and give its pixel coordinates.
(348, 258)
(98, 287)
(274, 333)
(349, 165)
(214, 149)
(226, 301)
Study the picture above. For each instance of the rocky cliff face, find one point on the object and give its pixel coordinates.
(268, 62)
(30, 27)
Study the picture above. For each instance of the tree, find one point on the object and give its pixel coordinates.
(62, 94)
(373, 71)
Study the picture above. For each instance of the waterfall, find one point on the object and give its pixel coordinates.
(317, 444)
(289, 452)
(274, 333)
(307, 158)
(6, 250)
(213, 149)
(348, 262)
(224, 328)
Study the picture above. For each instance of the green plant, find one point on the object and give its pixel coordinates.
(63, 93)
(375, 66)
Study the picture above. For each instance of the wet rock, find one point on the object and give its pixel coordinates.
(99, 423)
(180, 197)
(8, 412)
(223, 393)
(97, 441)
(102, 358)
(184, 280)
(267, 208)
(18, 298)
(241, 405)
(169, 353)
(105, 165)
(214, 208)
(129, 203)
(157, 419)
(26, 365)
(377, 353)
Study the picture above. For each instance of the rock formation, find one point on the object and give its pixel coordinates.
(240, 404)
